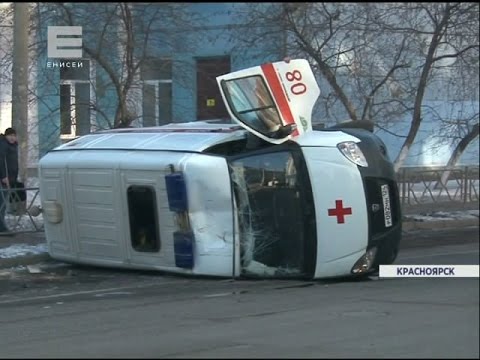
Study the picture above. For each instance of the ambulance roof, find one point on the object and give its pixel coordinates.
(193, 136)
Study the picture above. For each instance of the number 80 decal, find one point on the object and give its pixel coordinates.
(298, 88)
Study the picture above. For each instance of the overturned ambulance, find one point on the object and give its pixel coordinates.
(265, 196)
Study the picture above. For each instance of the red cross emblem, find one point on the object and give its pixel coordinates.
(340, 211)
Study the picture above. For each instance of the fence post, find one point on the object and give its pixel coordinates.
(465, 185)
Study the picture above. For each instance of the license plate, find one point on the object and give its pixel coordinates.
(387, 211)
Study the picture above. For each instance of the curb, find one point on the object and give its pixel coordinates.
(406, 227)
(23, 260)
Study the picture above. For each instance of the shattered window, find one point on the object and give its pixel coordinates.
(252, 103)
(271, 212)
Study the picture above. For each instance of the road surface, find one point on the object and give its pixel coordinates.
(79, 312)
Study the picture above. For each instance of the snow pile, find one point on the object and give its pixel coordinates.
(22, 250)
(442, 215)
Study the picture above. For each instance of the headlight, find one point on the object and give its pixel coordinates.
(365, 262)
(353, 153)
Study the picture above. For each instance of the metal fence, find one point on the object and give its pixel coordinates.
(433, 185)
(21, 213)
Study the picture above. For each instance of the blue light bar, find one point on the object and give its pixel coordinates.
(183, 247)
(176, 192)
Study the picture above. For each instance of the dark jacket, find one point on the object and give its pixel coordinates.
(8, 159)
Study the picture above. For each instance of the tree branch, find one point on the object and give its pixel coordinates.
(390, 132)
(456, 54)
(385, 79)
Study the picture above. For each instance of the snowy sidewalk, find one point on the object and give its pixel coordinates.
(31, 248)
(440, 219)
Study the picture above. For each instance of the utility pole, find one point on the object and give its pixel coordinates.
(20, 83)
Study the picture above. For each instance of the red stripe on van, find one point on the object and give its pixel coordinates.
(278, 94)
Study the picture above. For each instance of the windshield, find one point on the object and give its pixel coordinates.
(276, 215)
(251, 101)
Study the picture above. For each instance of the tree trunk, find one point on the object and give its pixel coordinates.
(121, 116)
(422, 86)
(458, 151)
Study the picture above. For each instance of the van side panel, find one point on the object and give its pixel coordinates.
(155, 180)
(91, 187)
(94, 213)
(53, 190)
(210, 212)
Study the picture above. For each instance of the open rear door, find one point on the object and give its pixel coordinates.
(273, 101)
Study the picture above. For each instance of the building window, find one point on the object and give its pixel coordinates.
(156, 75)
(142, 211)
(75, 100)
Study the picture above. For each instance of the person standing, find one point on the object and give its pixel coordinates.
(8, 170)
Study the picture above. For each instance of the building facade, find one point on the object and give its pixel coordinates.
(152, 64)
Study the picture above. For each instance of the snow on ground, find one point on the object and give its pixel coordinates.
(32, 182)
(444, 215)
(17, 250)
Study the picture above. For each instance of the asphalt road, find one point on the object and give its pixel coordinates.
(77, 312)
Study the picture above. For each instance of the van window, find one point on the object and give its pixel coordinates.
(252, 103)
(142, 213)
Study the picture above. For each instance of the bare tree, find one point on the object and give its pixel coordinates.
(17, 66)
(442, 23)
(342, 43)
(462, 145)
(459, 128)
(120, 39)
(378, 59)
(467, 132)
